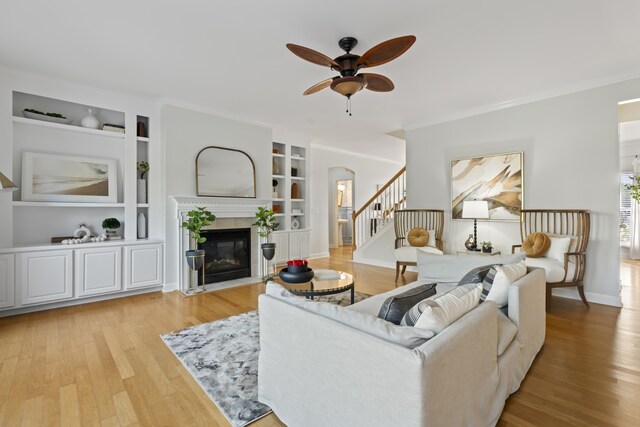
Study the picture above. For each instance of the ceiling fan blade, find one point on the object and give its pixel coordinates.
(318, 87)
(378, 82)
(386, 51)
(311, 55)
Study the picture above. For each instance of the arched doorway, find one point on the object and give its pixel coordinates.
(340, 205)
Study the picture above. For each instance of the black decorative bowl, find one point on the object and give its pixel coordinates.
(302, 277)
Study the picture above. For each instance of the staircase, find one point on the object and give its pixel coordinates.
(378, 212)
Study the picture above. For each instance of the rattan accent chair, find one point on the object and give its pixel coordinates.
(407, 219)
(572, 223)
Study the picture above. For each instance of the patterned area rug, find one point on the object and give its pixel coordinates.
(223, 357)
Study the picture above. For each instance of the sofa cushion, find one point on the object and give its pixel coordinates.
(401, 335)
(439, 312)
(553, 269)
(536, 244)
(418, 237)
(410, 253)
(507, 331)
(505, 276)
(394, 308)
(452, 268)
(476, 275)
(559, 246)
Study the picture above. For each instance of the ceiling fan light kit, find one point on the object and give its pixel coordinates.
(350, 81)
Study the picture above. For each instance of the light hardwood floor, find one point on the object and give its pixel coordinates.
(104, 363)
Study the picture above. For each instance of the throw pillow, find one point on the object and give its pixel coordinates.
(476, 275)
(536, 244)
(487, 282)
(432, 238)
(440, 312)
(452, 268)
(395, 307)
(559, 246)
(418, 237)
(505, 276)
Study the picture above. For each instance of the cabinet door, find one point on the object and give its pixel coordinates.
(282, 247)
(295, 246)
(98, 271)
(7, 282)
(45, 276)
(143, 266)
(304, 244)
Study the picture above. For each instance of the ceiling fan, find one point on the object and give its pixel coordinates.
(350, 81)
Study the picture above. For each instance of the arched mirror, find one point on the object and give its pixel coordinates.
(225, 172)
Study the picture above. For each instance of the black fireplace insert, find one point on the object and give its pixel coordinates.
(227, 254)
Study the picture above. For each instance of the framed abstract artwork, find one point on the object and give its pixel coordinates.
(59, 178)
(496, 178)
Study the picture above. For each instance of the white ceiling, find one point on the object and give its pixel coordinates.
(230, 56)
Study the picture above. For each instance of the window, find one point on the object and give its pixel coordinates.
(625, 209)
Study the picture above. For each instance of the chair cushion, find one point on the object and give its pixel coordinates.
(439, 312)
(507, 331)
(505, 276)
(536, 244)
(410, 253)
(401, 335)
(558, 247)
(395, 307)
(418, 237)
(553, 269)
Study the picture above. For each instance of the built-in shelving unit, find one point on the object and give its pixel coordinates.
(70, 128)
(142, 192)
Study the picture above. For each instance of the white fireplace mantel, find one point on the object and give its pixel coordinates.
(221, 207)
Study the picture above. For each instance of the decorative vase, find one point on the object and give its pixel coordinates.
(142, 226)
(82, 231)
(142, 191)
(295, 224)
(142, 130)
(487, 250)
(90, 121)
(301, 277)
(111, 232)
(268, 250)
(469, 243)
(295, 191)
(276, 167)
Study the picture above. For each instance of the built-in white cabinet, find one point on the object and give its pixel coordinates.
(143, 266)
(298, 245)
(7, 281)
(98, 271)
(45, 276)
(281, 239)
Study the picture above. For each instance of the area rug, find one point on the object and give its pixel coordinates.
(223, 357)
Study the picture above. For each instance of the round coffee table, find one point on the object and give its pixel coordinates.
(316, 287)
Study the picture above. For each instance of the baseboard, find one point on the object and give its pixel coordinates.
(591, 297)
(170, 287)
(319, 255)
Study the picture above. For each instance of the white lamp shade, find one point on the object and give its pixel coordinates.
(6, 184)
(475, 209)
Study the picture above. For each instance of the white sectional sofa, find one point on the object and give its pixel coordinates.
(318, 369)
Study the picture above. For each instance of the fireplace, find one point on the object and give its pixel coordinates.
(227, 254)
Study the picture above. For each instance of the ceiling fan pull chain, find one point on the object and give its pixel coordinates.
(349, 105)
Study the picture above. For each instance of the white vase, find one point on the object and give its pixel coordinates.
(142, 226)
(142, 191)
(90, 121)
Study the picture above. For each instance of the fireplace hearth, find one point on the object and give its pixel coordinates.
(227, 254)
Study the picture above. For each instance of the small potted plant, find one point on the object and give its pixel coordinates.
(111, 226)
(196, 219)
(487, 247)
(143, 169)
(274, 184)
(266, 223)
(297, 271)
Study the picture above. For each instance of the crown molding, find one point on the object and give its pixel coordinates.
(566, 90)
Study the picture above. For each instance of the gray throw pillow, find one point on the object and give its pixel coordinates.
(476, 275)
(395, 307)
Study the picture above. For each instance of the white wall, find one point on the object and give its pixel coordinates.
(369, 172)
(184, 134)
(570, 146)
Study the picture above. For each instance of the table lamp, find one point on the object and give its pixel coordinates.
(6, 184)
(476, 209)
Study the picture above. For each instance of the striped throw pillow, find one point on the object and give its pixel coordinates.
(487, 283)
